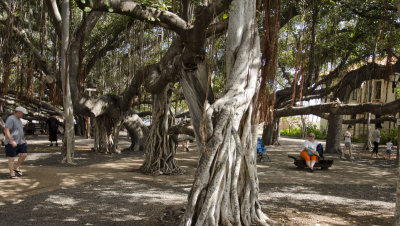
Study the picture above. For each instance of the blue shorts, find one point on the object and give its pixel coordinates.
(12, 152)
(389, 151)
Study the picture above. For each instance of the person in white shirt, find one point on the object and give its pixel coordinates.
(347, 142)
(309, 151)
(389, 146)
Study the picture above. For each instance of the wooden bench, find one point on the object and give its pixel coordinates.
(321, 163)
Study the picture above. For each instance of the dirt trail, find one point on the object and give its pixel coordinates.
(103, 189)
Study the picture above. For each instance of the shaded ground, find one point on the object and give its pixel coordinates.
(109, 190)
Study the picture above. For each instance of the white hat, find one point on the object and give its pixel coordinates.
(21, 109)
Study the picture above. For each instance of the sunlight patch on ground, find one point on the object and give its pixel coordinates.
(314, 197)
(128, 218)
(70, 219)
(62, 200)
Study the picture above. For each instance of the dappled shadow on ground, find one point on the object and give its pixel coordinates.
(110, 190)
(105, 202)
(41, 154)
(345, 204)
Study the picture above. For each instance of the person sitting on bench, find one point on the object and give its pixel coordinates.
(309, 151)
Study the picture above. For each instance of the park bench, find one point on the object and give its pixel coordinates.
(322, 163)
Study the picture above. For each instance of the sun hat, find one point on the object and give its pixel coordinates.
(21, 109)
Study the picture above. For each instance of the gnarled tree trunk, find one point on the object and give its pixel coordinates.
(225, 190)
(137, 130)
(160, 147)
(106, 134)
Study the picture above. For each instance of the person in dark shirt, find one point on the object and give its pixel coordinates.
(53, 123)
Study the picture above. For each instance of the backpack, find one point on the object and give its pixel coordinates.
(320, 150)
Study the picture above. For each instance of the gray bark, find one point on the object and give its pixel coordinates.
(68, 144)
(107, 127)
(137, 130)
(225, 190)
(334, 134)
(160, 147)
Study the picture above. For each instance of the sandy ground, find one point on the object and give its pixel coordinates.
(109, 189)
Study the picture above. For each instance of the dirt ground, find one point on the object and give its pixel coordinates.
(110, 190)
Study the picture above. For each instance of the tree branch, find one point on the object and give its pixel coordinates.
(340, 109)
(135, 10)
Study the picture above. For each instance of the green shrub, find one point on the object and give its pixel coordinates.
(392, 133)
(296, 132)
(359, 140)
(292, 132)
(318, 133)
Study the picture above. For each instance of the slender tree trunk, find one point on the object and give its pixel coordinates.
(303, 127)
(160, 147)
(334, 134)
(277, 132)
(368, 145)
(225, 190)
(8, 49)
(68, 144)
(7, 70)
(270, 132)
(29, 81)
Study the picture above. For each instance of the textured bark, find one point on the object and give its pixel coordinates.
(107, 127)
(160, 147)
(137, 130)
(334, 134)
(225, 190)
(67, 151)
(269, 136)
(342, 109)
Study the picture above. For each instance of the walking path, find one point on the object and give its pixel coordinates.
(102, 189)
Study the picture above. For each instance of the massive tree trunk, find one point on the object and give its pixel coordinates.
(160, 147)
(225, 190)
(334, 134)
(137, 130)
(107, 127)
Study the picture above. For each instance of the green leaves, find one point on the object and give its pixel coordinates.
(87, 9)
(160, 4)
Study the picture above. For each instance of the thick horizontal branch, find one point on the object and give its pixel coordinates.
(372, 121)
(360, 120)
(138, 11)
(341, 109)
(186, 129)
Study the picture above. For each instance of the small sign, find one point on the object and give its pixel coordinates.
(398, 122)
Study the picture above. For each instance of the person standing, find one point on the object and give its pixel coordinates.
(15, 141)
(389, 146)
(52, 124)
(347, 143)
(376, 137)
